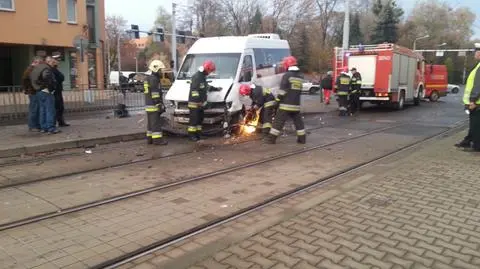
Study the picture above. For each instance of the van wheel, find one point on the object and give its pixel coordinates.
(401, 102)
(434, 96)
(416, 100)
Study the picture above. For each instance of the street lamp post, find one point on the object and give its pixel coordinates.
(418, 38)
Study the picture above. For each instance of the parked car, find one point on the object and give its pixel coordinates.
(453, 88)
(311, 87)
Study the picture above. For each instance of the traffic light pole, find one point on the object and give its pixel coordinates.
(174, 40)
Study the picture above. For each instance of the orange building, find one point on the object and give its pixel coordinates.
(70, 28)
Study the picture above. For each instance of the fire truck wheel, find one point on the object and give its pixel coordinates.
(434, 96)
(401, 102)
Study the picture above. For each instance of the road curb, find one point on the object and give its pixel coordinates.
(80, 143)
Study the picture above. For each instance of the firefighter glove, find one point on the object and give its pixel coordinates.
(161, 107)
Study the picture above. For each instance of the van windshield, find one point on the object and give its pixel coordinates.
(226, 65)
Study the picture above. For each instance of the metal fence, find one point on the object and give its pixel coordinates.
(14, 103)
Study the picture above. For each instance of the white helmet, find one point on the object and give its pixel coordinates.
(155, 66)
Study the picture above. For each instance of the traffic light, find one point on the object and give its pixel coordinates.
(135, 30)
(181, 37)
(160, 33)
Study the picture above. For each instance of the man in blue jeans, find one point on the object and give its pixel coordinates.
(33, 106)
(43, 81)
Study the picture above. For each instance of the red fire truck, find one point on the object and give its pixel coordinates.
(391, 74)
(436, 81)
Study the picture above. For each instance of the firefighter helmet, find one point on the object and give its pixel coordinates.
(208, 66)
(289, 61)
(155, 66)
(245, 90)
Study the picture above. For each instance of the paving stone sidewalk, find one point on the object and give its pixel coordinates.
(421, 210)
(16, 139)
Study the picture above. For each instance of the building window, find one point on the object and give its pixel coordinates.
(53, 10)
(7, 5)
(72, 11)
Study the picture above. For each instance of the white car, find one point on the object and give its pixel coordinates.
(453, 88)
(310, 87)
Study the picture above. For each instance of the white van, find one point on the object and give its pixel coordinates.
(238, 60)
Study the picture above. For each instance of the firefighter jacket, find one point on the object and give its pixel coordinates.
(262, 97)
(356, 82)
(198, 90)
(343, 84)
(472, 88)
(327, 82)
(153, 94)
(290, 91)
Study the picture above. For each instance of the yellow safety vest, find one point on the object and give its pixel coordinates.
(470, 85)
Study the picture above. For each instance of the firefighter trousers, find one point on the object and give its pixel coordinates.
(343, 104)
(475, 128)
(354, 102)
(280, 119)
(154, 128)
(195, 122)
(265, 119)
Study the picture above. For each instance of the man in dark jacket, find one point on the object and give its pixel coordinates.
(58, 94)
(197, 99)
(43, 81)
(327, 85)
(289, 96)
(33, 105)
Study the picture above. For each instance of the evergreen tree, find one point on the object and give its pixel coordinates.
(303, 51)
(387, 18)
(356, 36)
(256, 22)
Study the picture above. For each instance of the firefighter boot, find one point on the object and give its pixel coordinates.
(160, 142)
(270, 139)
(301, 139)
(463, 144)
(149, 140)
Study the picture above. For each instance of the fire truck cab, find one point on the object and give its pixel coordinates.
(436, 81)
(391, 74)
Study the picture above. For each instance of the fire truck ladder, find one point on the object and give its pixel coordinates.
(339, 62)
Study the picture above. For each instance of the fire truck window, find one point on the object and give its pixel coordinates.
(247, 69)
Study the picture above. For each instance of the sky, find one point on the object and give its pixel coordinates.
(143, 12)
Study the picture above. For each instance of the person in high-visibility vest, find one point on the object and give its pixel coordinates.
(289, 102)
(471, 100)
(356, 90)
(154, 104)
(342, 87)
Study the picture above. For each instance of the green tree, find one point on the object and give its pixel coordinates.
(356, 36)
(164, 19)
(256, 22)
(450, 69)
(387, 18)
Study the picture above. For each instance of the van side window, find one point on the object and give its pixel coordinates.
(246, 72)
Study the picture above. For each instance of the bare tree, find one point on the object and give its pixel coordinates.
(115, 26)
(240, 14)
(326, 11)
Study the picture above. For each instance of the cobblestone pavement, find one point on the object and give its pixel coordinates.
(91, 236)
(420, 209)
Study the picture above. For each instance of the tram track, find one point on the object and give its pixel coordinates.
(124, 163)
(124, 196)
(179, 237)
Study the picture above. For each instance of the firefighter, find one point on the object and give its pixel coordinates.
(197, 99)
(154, 104)
(471, 99)
(327, 84)
(262, 98)
(342, 87)
(354, 98)
(288, 99)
